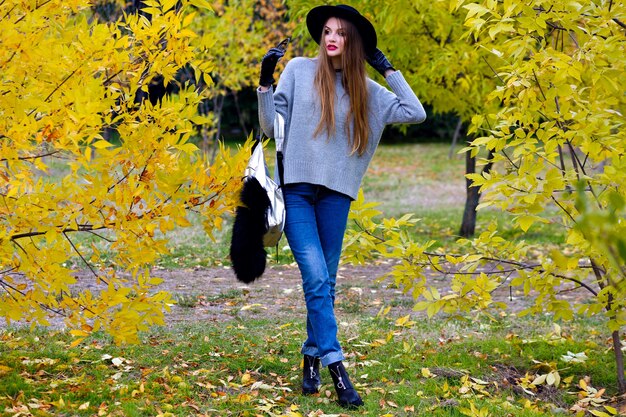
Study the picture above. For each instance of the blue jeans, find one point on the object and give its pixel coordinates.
(315, 225)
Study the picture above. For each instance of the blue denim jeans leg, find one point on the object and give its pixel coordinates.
(315, 225)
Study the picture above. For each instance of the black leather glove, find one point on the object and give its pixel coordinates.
(268, 65)
(379, 62)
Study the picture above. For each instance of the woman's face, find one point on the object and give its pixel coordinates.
(333, 37)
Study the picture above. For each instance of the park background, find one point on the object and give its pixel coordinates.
(124, 131)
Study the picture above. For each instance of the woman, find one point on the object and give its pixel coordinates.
(334, 118)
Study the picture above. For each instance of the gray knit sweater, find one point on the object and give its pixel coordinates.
(319, 159)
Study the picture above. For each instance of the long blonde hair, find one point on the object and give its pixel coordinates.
(354, 82)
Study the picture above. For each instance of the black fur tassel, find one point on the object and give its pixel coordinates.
(247, 253)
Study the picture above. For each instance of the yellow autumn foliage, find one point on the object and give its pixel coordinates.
(553, 125)
(66, 79)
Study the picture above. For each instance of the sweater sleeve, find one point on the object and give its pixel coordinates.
(266, 110)
(400, 105)
(271, 102)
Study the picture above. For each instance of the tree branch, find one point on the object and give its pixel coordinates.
(520, 265)
(80, 228)
(9, 12)
(8, 287)
(619, 22)
(563, 209)
(493, 70)
(516, 264)
(118, 182)
(25, 14)
(83, 258)
(7, 271)
(539, 85)
(576, 162)
(100, 236)
(70, 75)
(26, 158)
(8, 60)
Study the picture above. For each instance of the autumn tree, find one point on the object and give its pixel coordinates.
(556, 143)
(563, 77)
(65, 78)
(238, 34)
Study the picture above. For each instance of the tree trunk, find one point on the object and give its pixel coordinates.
(472, 196)
(603, 281)
(619, 362)
(468, 224)
(242, 121)
(204, 109)
(455, 137)
(218, 105)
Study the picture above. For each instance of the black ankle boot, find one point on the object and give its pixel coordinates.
(311, 380)
(348, 397)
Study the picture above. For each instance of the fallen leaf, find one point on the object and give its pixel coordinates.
(245, 378)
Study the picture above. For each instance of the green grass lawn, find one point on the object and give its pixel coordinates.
(251, 368)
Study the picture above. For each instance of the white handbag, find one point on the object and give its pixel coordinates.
(257, 168)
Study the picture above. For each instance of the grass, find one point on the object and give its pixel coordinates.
(251, 367)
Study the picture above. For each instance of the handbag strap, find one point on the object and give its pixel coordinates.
(279, 138)
(279, 132)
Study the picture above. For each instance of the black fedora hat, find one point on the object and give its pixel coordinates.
(318, 16)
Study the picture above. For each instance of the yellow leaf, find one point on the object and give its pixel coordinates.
(246, 378)
(202, 4)
(610, 409)
(59, 404)
(525, 222)
(540, 379)
(383, 311)
(79, 332)
(404, 321)
(102, 144)
(77, 342)
(188, 19)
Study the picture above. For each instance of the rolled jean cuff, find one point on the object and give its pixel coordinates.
(331, 357)
(310, 351)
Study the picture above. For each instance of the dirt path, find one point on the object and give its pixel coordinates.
(214, 295)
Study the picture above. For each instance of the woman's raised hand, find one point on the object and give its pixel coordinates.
(268, 65)
(379, 62)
